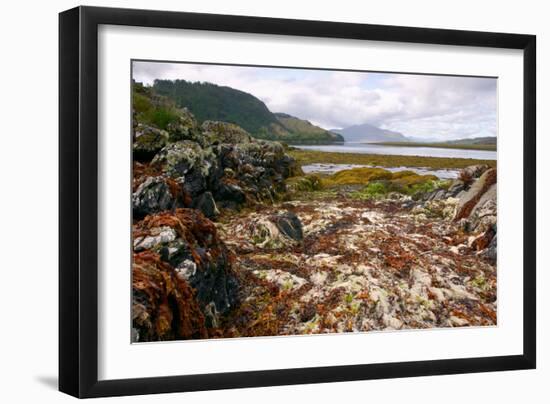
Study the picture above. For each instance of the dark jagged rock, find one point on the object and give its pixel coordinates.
(229, 195)
(289, 224)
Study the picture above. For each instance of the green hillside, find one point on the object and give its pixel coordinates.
(306, 131)
(209, 101)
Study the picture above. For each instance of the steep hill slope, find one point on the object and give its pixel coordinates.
(306, 131)
(209, 101)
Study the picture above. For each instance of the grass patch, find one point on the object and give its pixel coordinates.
(152, 113)
(305, 157)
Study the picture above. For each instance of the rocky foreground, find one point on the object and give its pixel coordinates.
(351, 265)
(231, 239)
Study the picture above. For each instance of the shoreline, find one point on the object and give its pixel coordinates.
(483, 147)
(308, 157)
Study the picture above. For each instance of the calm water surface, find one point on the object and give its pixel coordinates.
(327, 168)
(403, 151)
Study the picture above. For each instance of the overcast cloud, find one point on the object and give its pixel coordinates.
(435, 107)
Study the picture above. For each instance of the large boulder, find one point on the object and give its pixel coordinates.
(470, 199)
(224, 132)
(185, 127)
(189, 243)
(148, 142)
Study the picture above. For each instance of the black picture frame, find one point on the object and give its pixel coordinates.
(78, 201)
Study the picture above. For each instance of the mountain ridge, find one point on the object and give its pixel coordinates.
(369, 133)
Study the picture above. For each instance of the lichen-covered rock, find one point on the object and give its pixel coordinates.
(153, 195)
(185, 127)
(197, 255)
(177, 159)
(224, 132)
(148, 142)
(164, 306)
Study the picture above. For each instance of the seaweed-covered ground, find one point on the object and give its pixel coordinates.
(360, 265)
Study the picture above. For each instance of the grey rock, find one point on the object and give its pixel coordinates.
(456, 187)
(152, 196)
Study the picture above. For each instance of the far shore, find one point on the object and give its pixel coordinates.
(487, 147)
(305, 157)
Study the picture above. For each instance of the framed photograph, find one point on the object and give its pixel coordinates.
(252, 201)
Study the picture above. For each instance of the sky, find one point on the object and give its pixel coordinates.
(419, 106)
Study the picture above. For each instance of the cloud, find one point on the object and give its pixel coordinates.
(438, 107)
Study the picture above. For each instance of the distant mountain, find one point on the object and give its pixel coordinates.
(209, 101)
(306, 131)
(366, 133)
